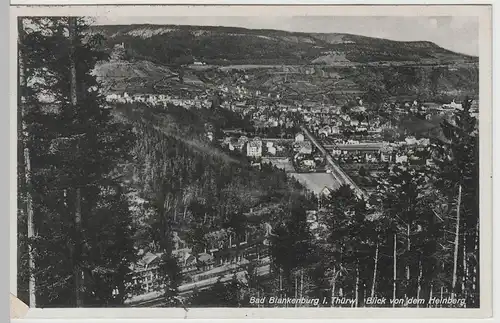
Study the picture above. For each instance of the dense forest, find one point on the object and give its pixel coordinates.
(215, 187)
(96, 183)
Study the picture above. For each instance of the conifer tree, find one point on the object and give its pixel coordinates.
(457, 168)
(75, 145)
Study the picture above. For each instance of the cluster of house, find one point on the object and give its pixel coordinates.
(301, 145)
(336, 125)
(361, 153)
(324, 120)
(212, 262)
(256, 147)
(146, 270)
(238, 92)
(430, 109)
(266, 115)
(160, 99)
(411, 150)
(328, 122)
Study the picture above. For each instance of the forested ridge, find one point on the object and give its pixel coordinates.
(97, 183)
(171, 44)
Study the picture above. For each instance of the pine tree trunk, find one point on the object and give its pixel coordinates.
(341, 289)
(363, 300)
(455, 253)
(301, 282)
(79, 282)
(475, 270)
(375, 268)
(175, 209)
(408, 248)
(78, 275)
(394, 274)
(465, 270)
(27, 165)
(281, 283)
(333, 285)
(430, 295)
(31, 230)
(441, 295)
(356, 291)
(296, 289)
(419, 282)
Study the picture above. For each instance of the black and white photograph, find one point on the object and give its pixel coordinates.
(292, 161)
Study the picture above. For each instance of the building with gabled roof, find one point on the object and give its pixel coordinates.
(254, 148)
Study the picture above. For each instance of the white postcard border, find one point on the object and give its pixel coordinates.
(485, 121)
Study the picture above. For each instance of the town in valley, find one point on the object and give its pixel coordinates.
(220, 166)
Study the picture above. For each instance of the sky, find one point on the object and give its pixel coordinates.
(456, 33)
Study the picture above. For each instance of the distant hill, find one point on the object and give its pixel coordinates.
(170, 44)
(154, 59)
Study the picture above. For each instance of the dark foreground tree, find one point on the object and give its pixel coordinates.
(457, 167)
(83, 247)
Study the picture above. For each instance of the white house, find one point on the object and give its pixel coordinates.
(325, 192)
(453, 105)
(401, 159)
(309, 162)
(299, 137)
(385, 157)
(411, 140)
(254, 148)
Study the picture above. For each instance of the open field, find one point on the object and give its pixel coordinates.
(316, 182)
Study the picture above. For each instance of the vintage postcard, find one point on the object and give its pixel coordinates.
(252, 161)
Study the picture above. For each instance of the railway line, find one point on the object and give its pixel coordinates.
(337, 172)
